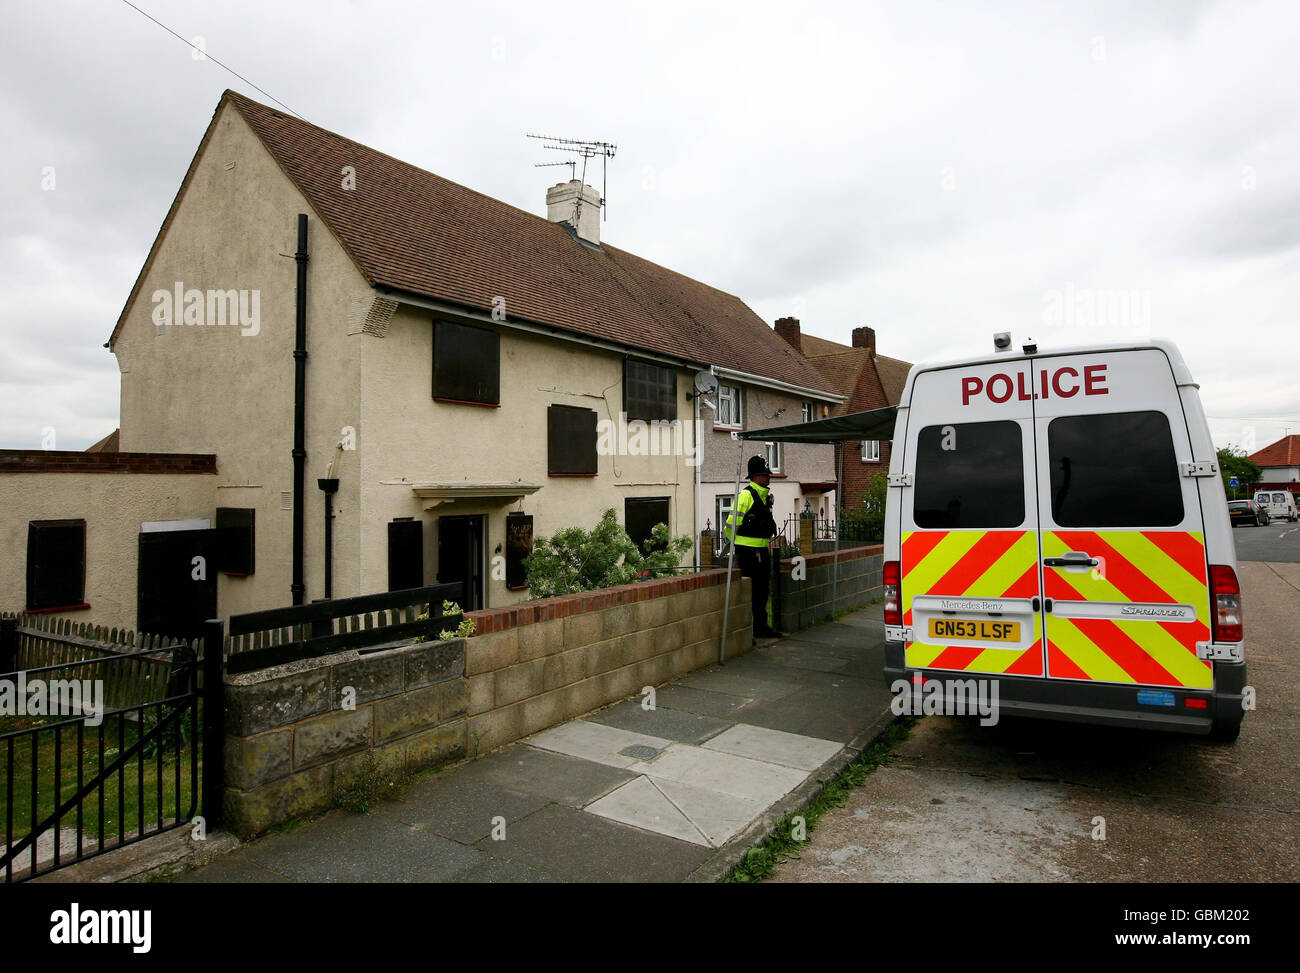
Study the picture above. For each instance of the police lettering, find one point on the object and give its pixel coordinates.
(1064, 383)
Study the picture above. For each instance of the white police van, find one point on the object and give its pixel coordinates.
(1056, 523)
(1280, 504)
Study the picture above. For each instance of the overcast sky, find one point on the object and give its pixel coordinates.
(939, 171)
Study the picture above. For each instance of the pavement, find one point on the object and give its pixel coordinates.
(674, 791)
(1033, 800)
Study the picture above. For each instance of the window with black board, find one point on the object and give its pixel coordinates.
(466, 364)
(519, 544)
(405, 554)
(570, 441)
(56, 564)
(649, 391)
(640, 515)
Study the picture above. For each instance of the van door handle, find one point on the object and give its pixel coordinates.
(1072, 559)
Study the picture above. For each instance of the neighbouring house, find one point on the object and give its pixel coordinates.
(1279, 464)
(342, 374)
(867, 380)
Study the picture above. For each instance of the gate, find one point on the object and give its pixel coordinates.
(113, 755)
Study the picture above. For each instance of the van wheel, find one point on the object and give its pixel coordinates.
(1222, 732)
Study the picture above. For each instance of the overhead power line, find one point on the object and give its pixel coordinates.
(226, 67)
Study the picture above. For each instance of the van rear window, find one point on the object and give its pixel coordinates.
(1114, 470)
(969, 474)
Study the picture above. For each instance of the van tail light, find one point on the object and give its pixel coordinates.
(893, 594)
(1226, 623)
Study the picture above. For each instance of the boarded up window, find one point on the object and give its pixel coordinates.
(649, 391)
(56, 564)
(519, 544)
(235, 540)
(405, 554)
(640, 514)
(466, 363)
(570, 441)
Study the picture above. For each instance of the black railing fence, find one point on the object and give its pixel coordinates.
(93, 754)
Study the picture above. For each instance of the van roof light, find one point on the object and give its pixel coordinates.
(1031, 347)
(1002, 341)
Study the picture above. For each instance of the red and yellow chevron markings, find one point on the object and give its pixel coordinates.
(972, 564)
(1156, 567)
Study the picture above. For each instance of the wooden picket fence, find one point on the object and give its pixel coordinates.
(46, 641)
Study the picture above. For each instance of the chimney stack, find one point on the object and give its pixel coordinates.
(562, 207)
(788, 328)
(865, 337)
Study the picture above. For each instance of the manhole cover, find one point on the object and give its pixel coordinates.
(639, 751)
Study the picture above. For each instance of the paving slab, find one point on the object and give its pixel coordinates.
(503, 871)
(720, 816)
(724, 772)
(557, 777)
(575, 846)
(775, 746)
(662, 722)
(233, 869)
(343, 847)
(595, 741)
(463, 811)
(801, 656)
(702, 701)
(643, 805)
(740, 680)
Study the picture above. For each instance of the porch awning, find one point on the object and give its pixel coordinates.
(491, 494)
(873, 424)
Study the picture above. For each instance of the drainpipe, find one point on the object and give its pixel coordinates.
(298, 589)
(329, 486)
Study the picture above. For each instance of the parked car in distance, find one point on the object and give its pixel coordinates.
(1247, 512)
(1280, 504)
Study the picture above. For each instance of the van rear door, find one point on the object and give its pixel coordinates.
(969, 553)
(1122, 538)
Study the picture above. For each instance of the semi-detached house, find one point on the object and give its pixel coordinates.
(473, 375)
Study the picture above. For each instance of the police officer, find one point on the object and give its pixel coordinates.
(757, 527)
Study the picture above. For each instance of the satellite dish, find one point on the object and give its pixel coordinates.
(705, 381)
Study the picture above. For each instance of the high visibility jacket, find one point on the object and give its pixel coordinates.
(761, 527)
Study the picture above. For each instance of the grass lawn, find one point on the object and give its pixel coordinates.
(124, 800)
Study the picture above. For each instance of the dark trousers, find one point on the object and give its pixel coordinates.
(756, 564)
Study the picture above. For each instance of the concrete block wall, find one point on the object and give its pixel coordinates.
(291, 744)
(544, 662)
(806, 602)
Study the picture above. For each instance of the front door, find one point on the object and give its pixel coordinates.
(461, 558)
(176, 582)
(1124, 566)
(969, 558)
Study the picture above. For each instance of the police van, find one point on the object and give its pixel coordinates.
(1056, 522)
(1280, 504)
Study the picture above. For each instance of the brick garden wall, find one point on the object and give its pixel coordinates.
(799, 604)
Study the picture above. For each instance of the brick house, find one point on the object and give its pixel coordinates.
(868, 381)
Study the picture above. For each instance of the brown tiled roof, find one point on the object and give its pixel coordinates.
(109, 444)
(410, 230)
(1284, 452)
(843, 365)
(893, 376)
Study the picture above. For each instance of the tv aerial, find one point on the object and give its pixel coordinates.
(584, 149)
